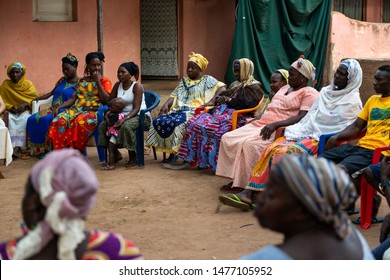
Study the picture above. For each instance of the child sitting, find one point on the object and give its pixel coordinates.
(112, 117)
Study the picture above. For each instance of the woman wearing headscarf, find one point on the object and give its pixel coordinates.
(200, 143)
(303, 200)
(74, 126)
(337, 106)
(193, 91)
(38, 124)
(60, 192)
(17, 93)
(239, 149)
(132, 93)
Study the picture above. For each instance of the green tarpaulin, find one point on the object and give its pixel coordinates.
(274, 33)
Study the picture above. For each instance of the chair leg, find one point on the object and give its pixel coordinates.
(100, 150)
(164, 157)
(366, 196)
(154, 153)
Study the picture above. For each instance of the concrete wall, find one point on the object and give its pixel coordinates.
(41, 45)
(365, 41)
(208, 28)
(205, 26)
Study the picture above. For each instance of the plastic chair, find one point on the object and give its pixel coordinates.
(152, 99)
(100, 150)
(367, 192)
(234, 114)
(35, 105)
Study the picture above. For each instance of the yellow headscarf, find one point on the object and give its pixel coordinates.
(306, 68)
(199, 59)
(284, 73)
(246, 71)
(15, 94)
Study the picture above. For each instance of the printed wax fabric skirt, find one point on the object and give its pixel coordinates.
(167, 131)
(273, 153)
(73, 128)
(201, 141)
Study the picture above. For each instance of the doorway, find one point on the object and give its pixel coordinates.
(159, 39)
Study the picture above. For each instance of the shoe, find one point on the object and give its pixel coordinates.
(181, 166)
(234, 201)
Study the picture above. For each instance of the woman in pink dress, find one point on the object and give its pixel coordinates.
(240, 148)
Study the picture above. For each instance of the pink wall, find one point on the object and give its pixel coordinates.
(208, 28)
(356, 39)
(205, 26)
(41, 45)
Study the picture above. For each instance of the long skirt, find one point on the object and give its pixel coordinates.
(127, 134)
(273, 153)
(17, 128)
(201, 141)
(73, 129)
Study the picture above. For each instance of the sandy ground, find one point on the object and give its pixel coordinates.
(168, 214)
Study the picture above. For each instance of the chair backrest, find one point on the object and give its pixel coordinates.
(151, 98)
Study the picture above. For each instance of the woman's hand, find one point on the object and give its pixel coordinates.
(222, 100)
(267, 131)
(13, 110)
(55, 112)
(119, 123)
(96, 76)
(22, 107)
(164, 110)
(331, 143)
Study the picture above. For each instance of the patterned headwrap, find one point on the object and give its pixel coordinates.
(70, 59)
(322, 187)
(284, 73)
(15, 94)
(199, 59)
(67, 186)
(306, 68)
(132, 68)
(246, 70)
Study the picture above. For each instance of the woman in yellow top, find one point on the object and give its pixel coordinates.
(17, 93)
(193, 91)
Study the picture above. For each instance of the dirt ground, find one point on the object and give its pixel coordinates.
(170, 215)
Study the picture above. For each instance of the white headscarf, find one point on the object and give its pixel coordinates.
(333, 110)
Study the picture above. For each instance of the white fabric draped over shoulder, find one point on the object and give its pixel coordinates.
(333, 110)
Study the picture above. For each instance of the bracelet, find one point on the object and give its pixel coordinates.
(383, 185)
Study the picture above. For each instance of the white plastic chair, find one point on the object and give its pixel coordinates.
(35, 105)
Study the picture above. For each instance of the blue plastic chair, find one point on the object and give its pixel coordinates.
(152, 99)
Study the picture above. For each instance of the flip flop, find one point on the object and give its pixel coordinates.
(107, 167)
(234, 201)
(375, 220)
(176, 166)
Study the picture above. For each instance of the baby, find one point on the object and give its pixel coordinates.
(112, 117)
(114, 114)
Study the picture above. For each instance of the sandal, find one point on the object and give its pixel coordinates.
(374, 220)
(107, 167)
(234, 201)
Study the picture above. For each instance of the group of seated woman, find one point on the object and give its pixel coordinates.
(72, 117)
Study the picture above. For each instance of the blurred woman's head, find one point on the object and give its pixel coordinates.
(60, 192)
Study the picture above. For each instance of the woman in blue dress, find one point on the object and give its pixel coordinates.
(38, 124)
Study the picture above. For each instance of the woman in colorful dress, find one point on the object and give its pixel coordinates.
(17, 93)
(239, 149)
(193, 91)
(74, 126)
(60, 192)
(38, 124)
(200, 144)
(337, 106)
(132, 92)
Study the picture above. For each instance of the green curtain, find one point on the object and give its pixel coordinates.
(273, 34)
